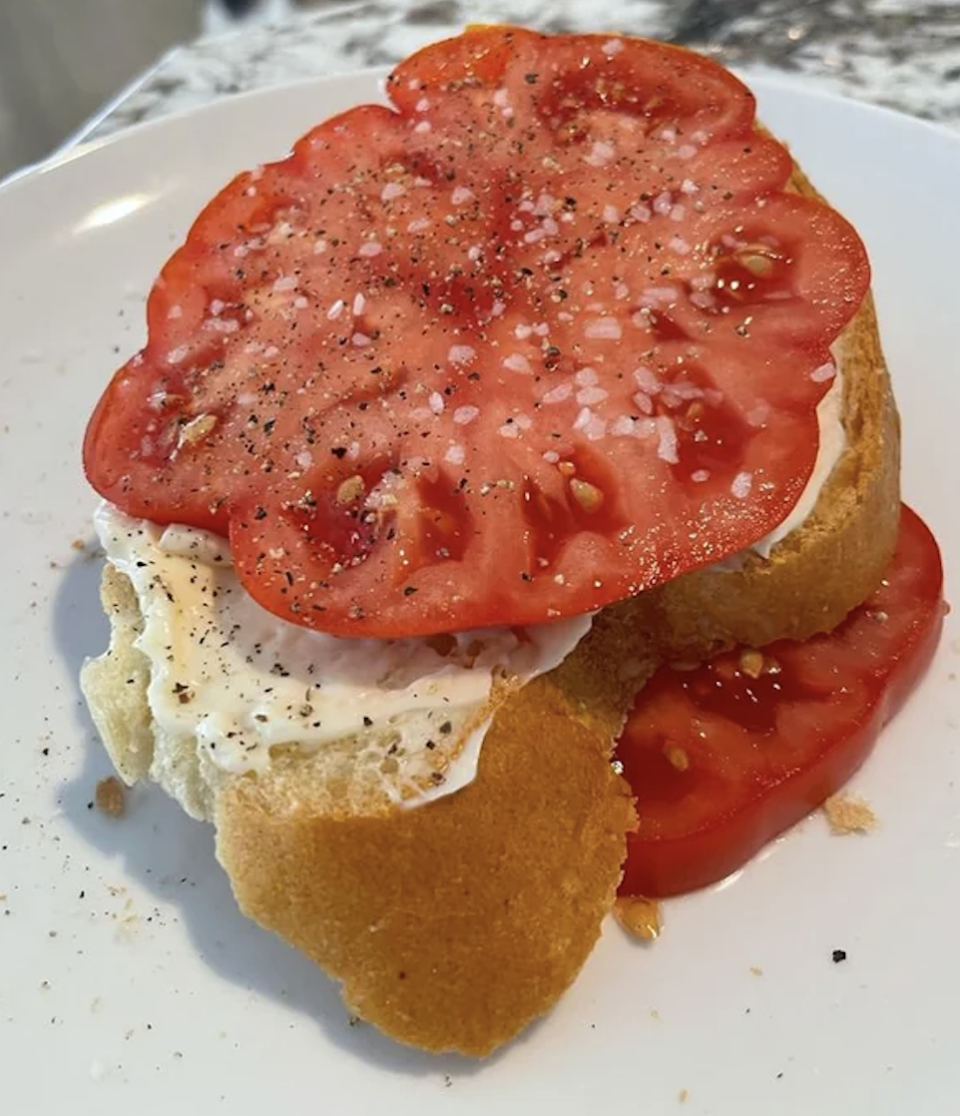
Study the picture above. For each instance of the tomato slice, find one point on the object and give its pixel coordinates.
(726, 756)
(542, 335)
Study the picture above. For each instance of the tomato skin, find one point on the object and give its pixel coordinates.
(699, 824)
(553, 310)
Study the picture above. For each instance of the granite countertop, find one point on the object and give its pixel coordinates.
(904, 54)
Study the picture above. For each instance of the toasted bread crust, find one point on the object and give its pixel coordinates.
(818, 573)
(451, 926)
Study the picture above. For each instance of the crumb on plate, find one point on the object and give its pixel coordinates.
(847, 813)
(639, 917)
(110, 797)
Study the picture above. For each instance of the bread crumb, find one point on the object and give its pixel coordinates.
(78, 544)
(682, 1096)
(847, 813)
(654, 1014)
(109, 797)
(756, 970)
(639, 917)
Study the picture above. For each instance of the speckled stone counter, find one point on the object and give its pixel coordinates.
(904, 54)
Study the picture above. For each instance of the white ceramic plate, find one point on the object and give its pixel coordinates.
(129, 982)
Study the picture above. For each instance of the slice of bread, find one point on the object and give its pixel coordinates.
(454, 924)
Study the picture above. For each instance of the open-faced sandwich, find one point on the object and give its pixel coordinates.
(547, 395)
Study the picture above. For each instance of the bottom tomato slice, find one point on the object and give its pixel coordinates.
(724, 757)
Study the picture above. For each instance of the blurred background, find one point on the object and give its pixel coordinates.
(62, 60)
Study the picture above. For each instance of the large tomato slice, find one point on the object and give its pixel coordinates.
(543, 335)
(725, 757)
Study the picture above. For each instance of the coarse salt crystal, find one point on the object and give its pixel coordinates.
(301, 302)
(621, 291)
(423, 104)
(667, 443)
(392, 190)
(611, 214)
(523, 421)
(700, 475)
(464, 415)
(622, 426)
(461, 354)
(643, 402)
(663, 203)
(360, 340)
(270, 352)
(551, 457)
(423, 127)
(534, 235)
(370, 248)
(175, 356)
(759, 413)
(595, 429)
(509, 430)
(558, 394)
(455, 454)
(336, 310)
(582, 418)
(304, 459)
(607, 329)
(668, 135)
(435, 402)
(175, 312)
(641, 213)
(419, 224)
(320, 247)
(517, 362)
(686, 151)
(461, 195)
(285, 283)
(589, 395)
(612, 47)
(703, 300)
(501, 98)
(646, 379)
(359, 302)
(679, 245)
(823, 373)
(600, 154)
(655, 298)
(497, 309)
(742, 483)
(474, 252)
(678, 212)
(217, 307)
(522, 331)
(587, 377)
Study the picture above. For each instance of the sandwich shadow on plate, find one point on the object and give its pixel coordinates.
(171, 856)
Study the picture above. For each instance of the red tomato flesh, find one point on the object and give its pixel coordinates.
(723, 758)
(546, 333)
